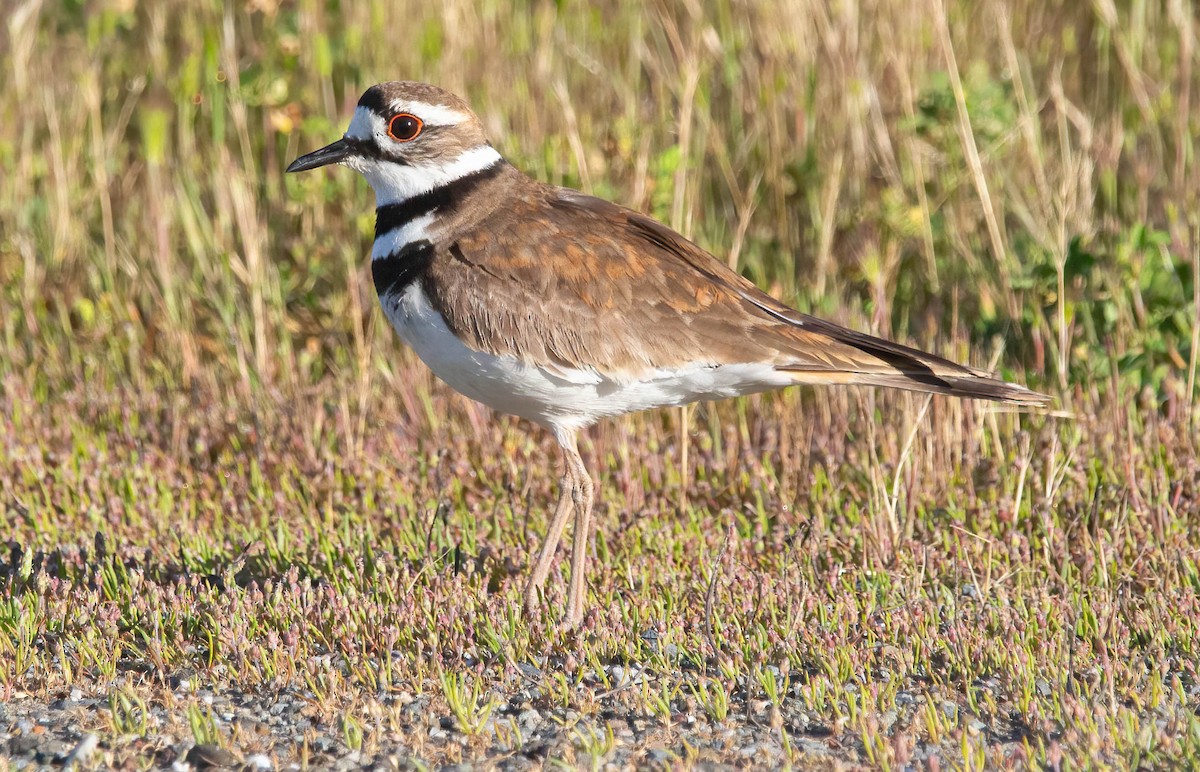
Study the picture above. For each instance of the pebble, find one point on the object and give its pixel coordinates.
(83, 751)
(259, 761)
(19, 746)
(811, 747)
(208, 756)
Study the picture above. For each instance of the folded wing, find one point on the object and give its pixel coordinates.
(598, 266)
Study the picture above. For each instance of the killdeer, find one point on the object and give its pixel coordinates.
(563, 309)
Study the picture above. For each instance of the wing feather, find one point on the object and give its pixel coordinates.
(574, 283)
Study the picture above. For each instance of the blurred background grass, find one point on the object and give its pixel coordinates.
(202, 400)
(1020, 179)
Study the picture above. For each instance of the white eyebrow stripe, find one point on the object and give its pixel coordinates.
(433, 115)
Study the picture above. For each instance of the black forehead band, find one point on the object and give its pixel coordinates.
(372, 99)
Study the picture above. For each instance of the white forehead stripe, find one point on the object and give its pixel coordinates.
(366, 124)
(432, 115)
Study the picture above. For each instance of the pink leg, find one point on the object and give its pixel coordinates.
(542, 569)
(583, 492)
(582, 538)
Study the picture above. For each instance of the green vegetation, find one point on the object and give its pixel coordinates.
(222, 474)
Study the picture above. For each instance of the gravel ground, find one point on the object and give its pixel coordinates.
(281, 731)
(287, 730)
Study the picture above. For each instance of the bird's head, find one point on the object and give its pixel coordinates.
(407, 138)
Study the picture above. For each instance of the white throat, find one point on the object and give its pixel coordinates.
(395, 183)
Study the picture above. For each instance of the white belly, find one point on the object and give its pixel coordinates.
(559, 398)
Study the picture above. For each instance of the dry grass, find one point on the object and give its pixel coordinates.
(218, 467)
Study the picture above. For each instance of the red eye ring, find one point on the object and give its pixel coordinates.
(405, 127)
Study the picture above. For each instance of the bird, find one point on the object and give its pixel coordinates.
(564, 309)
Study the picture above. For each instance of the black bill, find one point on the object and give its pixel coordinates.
(330, 154)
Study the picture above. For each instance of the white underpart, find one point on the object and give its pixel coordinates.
(393, 182)
(562, 398)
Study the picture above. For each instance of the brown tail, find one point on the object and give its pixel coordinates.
(877, 362)
(815, 351)
(967, 387)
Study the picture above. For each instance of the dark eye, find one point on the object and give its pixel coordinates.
(404, 127)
